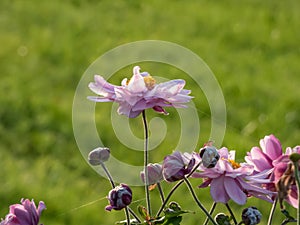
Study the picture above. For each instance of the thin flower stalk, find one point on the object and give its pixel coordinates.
(198, 201)
(127, 208)
(174, 189)
(161, 192)
(296, 169)
(212, 209)
(146, 159)
(231, 213)
(272, 211)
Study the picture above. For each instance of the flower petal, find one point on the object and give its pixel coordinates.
(217, 190)
(101, 86)
(234, 191)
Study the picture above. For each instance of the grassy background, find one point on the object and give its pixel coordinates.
(252, 48)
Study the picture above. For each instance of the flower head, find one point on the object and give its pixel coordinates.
(231, 180)
(141, 92)
(119, 197)
(154, 173)
(176, 166)
(270, 157)
(25, 213)
(98, 156)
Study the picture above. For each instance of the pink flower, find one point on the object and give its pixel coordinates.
(141, 92)
(25, 213)
(231, 180)
(271, 158)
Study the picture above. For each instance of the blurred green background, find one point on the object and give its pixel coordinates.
(252, 47)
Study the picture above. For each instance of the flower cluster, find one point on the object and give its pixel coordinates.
(267, 173)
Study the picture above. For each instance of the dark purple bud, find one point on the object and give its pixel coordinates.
(174, 167)
(251, 216)
(154, 173)
(98, 156)
(210, 156)
(119, 197)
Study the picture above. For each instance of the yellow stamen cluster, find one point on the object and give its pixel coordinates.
(234, 164)
(149, 82)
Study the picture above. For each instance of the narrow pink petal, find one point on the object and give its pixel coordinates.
(41, 207)
(160, 110)
(101, 86)
(169, 88)
(234, 191)
(99, 99)
(217, 190)
(205, 183)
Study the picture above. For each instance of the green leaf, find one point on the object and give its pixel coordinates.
(173, 220)
(143, 212)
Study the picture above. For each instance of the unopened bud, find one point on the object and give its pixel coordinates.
(251, 216)
(222, 219)
(98, 156)
(119, 197)
(210, 156)
(154, 173)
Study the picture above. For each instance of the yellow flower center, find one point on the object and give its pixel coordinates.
(149, 82)
(234, 164)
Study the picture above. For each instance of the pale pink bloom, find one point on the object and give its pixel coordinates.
(232, 180)
(25, 213)
(141, 92)
(270, 157)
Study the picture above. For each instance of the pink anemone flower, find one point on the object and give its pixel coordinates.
(232, 180)
(141, 92)
(270, 157)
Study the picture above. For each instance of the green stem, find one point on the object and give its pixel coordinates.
(113, 186)
(272, 211)
(173, 190)
(146, 156)
(108, 175)
(296, 170)
(127, 215)
(231, 213)
(212, 209)
(198, 201)
(161, 192)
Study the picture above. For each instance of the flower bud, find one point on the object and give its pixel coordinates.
(119, 197)
(251, 216)
(210, 156)
(174, 167)
(98, 156)
(154, 173)
(222, 219)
